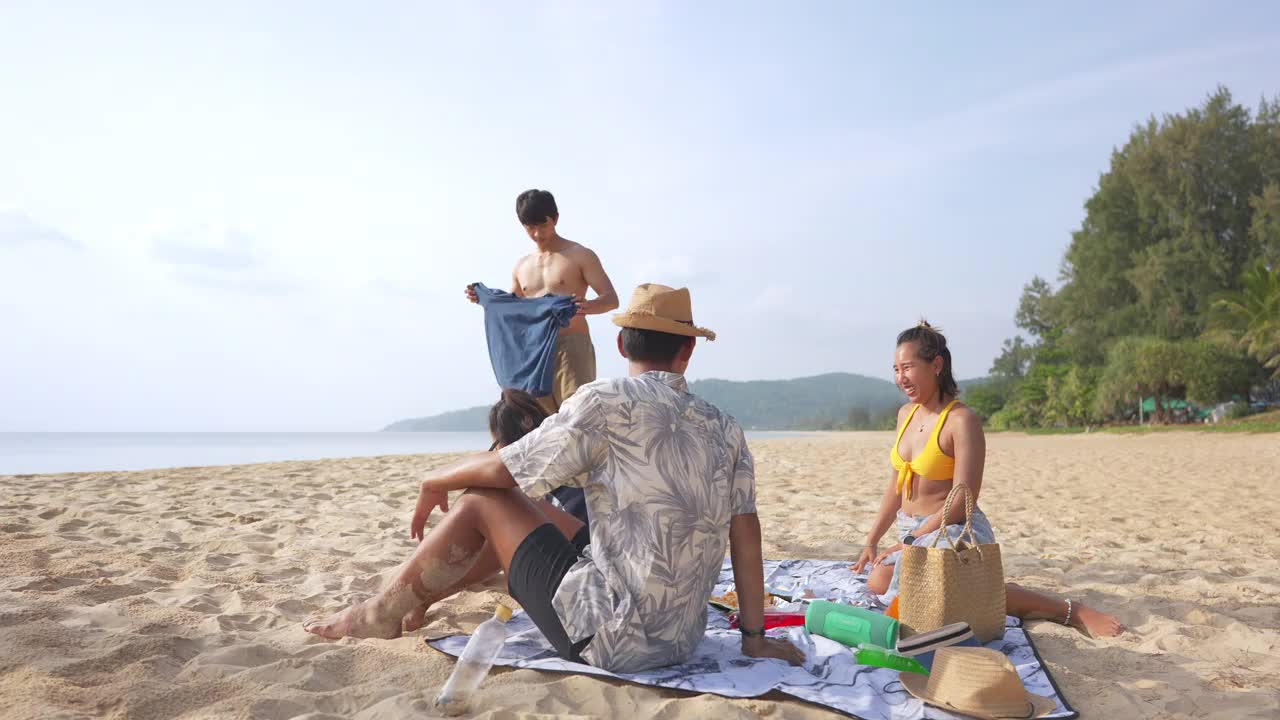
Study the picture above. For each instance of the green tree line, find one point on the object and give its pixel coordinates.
(1170, 288)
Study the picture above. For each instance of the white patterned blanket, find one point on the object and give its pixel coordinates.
(832, 678)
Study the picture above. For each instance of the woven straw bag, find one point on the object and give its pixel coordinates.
(962, 583)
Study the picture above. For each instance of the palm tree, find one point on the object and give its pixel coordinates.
(1249, 318)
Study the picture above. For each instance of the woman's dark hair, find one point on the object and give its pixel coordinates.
(535, 207)
(652, 346)
(931, 343)
(515, 415)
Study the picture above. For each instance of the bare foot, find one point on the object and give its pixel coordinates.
(416, 618)
(1095, 623)
(356, 621)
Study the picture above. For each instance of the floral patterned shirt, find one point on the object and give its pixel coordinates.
(664, 471)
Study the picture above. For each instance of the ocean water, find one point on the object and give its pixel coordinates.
(34, 453)
(22, 453)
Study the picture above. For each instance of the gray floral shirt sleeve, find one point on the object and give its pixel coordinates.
(743, 494)
(561, 451)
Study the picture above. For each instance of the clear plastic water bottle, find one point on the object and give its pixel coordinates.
(801, 638)
(474, 663)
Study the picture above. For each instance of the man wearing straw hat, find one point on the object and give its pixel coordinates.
(670, 485)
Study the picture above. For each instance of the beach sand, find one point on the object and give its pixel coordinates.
(181, 593)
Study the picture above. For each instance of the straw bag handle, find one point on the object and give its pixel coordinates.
(968, 518)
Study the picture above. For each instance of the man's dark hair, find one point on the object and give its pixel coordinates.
(651, 345)
(534, 207)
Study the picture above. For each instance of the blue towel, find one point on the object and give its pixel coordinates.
(522, 334)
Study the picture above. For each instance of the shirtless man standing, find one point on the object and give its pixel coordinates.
(560, 267)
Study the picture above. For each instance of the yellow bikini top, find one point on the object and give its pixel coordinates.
(931, 463)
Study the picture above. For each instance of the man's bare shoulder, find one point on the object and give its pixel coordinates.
(577, 251)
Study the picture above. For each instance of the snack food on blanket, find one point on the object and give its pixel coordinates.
(729, 600)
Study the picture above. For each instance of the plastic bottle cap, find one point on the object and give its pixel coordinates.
(502, 612)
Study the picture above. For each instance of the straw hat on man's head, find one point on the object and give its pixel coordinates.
(977, 681)
(661, 308)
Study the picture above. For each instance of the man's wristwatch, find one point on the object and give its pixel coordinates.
(751, 633)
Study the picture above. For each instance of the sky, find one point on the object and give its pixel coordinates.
(244, 216)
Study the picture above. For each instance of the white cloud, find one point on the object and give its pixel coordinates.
(219, 256)
(211, 247)
(990, 121)
(17, 228)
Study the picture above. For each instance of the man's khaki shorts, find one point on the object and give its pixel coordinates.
(575, 367)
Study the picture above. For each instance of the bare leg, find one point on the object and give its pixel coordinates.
(1031, 605)
(879, 578)
(500, 519)
(487, 566)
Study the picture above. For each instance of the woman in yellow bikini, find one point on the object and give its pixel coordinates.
(940, 441)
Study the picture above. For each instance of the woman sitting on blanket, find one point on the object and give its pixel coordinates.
(514, 415)
(940, 441)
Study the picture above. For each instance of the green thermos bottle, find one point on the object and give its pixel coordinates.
(851, 626)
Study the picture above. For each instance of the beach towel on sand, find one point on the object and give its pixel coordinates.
(834, 680)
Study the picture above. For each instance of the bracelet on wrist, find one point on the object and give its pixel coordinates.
(751, 633)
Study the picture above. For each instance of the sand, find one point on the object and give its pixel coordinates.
(181, 593)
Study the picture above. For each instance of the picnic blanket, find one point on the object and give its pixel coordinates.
(830, 678)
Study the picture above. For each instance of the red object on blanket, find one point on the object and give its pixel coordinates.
(773, 618)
